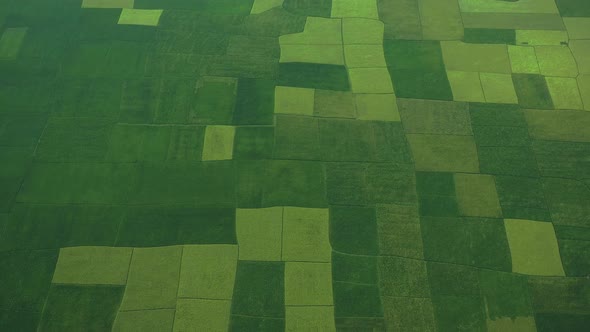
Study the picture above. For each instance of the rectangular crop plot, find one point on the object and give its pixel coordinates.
(11, 42)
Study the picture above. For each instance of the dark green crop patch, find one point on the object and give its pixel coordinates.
(167, 226)
(353, 230)
(321, 8)
(297, 138)
(356, 300)
(490, 36)
(72, 307)
(417, 69)
(254, 102)
(522, 198)
(573, 8)
(354, 269)
(294, 183)
(254, 143)
(313, 76)
(259, 290)
(532, 91)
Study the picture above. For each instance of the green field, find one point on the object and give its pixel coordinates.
(294, 165)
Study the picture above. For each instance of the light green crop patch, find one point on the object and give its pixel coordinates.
(556, 61)
(440, 20)
(308, 283)
(289, 100)
(11, 43)
(144, 320)
(498, 88)
(533, 247)
(92, 266)
(149, 17)
(510, 324)
(259, 233)
(219, 143)
(564, 93)
(323, 54)
(484, 6)
(306, 235)
(444, 153)
(355, 8)
(584, 85)
(364, 56)
(477, 196)
(108, 3)
(202, 315)
(541, 37)
(490, 58)
(370, 80)
(317, 31)
(356, 31)
(377, 107)
(310, 318)
(153, 279)
(523, 60)
(260, 6)
(208, 271)
(466, 86)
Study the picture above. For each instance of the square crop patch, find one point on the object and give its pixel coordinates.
(215, 101)
(259, 290)
(219, 143)
(291, 100)
(370, 80)
(377, 107)
(523, 60)
(556, 60)
(498, 88)
(259, 233)
(153, 279)
(532, 91)
(308, 283)
(253, 143)
(353, 230)
(208, 272)
(295, 183)
(466, 86)
(296, 137)
(565, 93)
(533, 247)
(11, 43)
(477, 196)
(306, 235)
